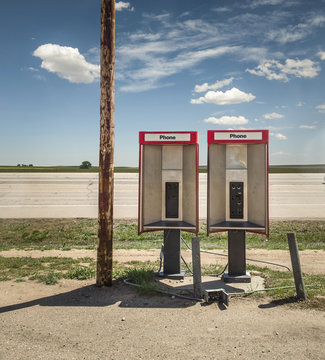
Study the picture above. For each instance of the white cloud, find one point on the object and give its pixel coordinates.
(227, 120)
(307, 127)
(291, 34)
(274, 70)
(233, 96)
(234, 128)
(168, 45)
(321, 108)
(157, 66)
(40, 77)
(191, 58)
(296, 32)
(146, 58)
(161, 17)
(272, 116)
(222, 9)
(143, 86)
(279, 136)
(215, 86)
(317, 20)
(300, 104)
(241, 128)
(121, 5)
(93, 55)
(67, 63)
(321, 54)
(256, 3)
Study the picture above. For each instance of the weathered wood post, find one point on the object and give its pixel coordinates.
(295, 261)
(106, 152)
(196, 263)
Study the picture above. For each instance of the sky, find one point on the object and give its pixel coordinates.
(181, 65)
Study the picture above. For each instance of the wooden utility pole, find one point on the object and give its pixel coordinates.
(106, 152)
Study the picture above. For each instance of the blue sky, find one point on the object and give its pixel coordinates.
(180, 65)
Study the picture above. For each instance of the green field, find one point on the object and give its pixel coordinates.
(125, 169)
(297, 168)
(278, 169)
(67, 234)
(82, 233)
(62, 169)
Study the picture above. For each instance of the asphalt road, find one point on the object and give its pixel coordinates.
(70, 195)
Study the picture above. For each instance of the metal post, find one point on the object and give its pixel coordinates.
(237, 258)
(295, 261)
(196, 262)
(172, 254)
(106, 153)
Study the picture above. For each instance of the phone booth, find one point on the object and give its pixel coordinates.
(168, 189)
(237, 198)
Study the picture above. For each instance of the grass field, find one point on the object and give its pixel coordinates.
(66, 234)
(124, 169)
(297, 169)
(61, 169)
(82, 233)
(45, 269)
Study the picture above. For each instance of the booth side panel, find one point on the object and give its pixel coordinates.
(257, 184)
(267, 190)
(140, 215)
(197, 187)
(217, 183)
(151, 184)
(189, 184)
(208, 193)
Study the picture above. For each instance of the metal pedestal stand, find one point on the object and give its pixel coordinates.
(237, 258)
(172, 255)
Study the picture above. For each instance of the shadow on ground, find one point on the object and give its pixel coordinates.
(93, 296)
(127, 297)
(279, 302)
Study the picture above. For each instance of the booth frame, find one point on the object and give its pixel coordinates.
(193, 140)
(264, 140)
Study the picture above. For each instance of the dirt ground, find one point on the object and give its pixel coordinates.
(76, 320)
(312, 261)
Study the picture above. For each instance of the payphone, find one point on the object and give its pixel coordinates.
(168, 188)
(237, 198)
(168, 181)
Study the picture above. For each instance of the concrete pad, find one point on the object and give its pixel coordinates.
(212, 282)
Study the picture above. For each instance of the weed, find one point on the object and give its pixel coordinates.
(81, 273)
(45, 269)
(212, 269)
(35, 236)
(144, 277)
(49, 279)
(141, 274)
